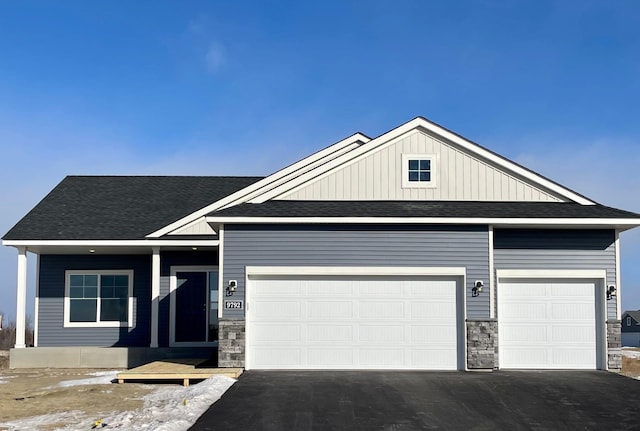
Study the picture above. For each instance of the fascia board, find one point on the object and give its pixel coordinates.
(346, 144)
(396, 134)
(576, 222)
(112, 243)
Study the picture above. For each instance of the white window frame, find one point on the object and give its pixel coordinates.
(406, 184)
(628, 321)
(98, 323)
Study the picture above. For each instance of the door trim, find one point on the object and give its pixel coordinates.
(173, 285)
(253, 272)
(599, 277)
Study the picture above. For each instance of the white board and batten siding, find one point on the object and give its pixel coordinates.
(459, 176)
(354, 322)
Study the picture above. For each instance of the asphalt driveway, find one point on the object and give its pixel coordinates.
(402, 401)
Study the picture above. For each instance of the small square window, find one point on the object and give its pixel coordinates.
(418, 170)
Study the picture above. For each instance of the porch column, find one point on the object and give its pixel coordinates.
(155, 295)
(21, 299)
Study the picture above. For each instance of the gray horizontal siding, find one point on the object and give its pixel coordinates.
(412, 246)
(589, 249)
(51, 330)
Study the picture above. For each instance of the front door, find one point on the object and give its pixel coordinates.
(195, 304)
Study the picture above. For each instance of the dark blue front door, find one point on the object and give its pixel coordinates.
(191, 307)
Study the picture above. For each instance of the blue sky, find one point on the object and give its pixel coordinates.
(244, 88)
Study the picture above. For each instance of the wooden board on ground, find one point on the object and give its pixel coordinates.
(176, 369)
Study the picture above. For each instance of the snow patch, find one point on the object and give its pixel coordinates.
(166, 409)
(629, 353)
(101, 378)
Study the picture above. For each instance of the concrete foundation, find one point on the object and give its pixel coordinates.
(100, 357)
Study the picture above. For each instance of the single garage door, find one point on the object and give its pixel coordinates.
(548, 324)
(344, 322)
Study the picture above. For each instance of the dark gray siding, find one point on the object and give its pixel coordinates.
(357, 245)
(51, 304)
(557, 249)
(167, 260)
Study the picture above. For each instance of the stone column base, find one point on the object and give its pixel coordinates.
(614, 345)
(482, 344)
(231, 343)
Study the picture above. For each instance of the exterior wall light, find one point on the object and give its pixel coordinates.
(477, 288)
(611, 291)
(231, 287)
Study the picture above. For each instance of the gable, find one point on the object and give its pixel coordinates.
(457, 175)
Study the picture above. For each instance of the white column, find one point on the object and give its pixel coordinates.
(492, 287)
(21, 298)
(155, 295)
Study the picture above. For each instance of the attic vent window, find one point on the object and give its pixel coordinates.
(418, 170)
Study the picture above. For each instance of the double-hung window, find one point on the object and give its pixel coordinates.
(98, 298)
(418, 170)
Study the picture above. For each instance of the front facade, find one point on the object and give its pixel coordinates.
(417, 250)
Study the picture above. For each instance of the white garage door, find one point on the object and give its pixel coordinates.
(351, 323)
(547, 324)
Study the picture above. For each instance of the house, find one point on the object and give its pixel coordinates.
(417, 249)
(631, 328)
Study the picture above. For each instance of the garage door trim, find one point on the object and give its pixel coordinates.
(256, 271)
(597, 276)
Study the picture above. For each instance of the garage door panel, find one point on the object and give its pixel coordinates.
(330, 357)
(554, 329)
(381, 358)
(436, 310)
(284, 309)
(381, 334)
(330, 309)
(280, 288)
(278, 333)
(433, 359)
(433, 334)
(381, 310)
(353, 322)
(335, 333)
(572, 310)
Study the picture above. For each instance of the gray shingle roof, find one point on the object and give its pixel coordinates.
(462, 209)
(120, 207)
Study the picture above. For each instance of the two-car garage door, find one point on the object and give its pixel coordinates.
(353, 322)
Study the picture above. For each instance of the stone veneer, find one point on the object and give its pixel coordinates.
(482, 344)
(614, 345)
(231, 343)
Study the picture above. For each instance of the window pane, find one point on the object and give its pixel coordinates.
(425, 176)
(425, 165)
(76, 280)
(91, 280)
(76, 292)
(413, 175)
(82, 310)
(90, 292)
(113, 310)
(106, 292)
(121, 281)
(107, 280)
(413, 165)
(121, 291)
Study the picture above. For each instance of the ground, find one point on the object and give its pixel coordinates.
(68, 400)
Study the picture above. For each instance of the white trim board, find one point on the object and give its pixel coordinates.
(114, 243)
(355, 270)
(580, 222)
(599, 274)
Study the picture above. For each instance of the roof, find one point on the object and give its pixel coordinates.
(120, 207)
(634, 314)
(424, 209)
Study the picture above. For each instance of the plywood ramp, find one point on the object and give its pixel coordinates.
(178, 369)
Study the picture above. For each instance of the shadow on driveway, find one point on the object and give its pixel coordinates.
(402, 401)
